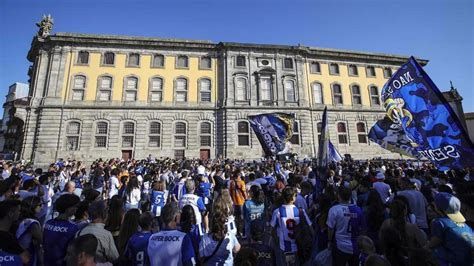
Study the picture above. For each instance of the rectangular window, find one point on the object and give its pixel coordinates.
(342, 139)
(334, 69)
(106, 83)
(131, 83)
(130, 96)
(102, 128)
(180, 141)
(104, 95)
(387, 73)
(290, 91)
(181, 96)
(288, 63)
(315, 68)
(154, 141)
(240, 91)
(370, 71)
(83, 58)
(77, 95)
(205, 96)
(156, 84)
(266, 89)
(362, 138)
(179, 154)
(180, 128)
(79, 83)
(127, 141)
(155, 128)
(318, 93)
(240, 61)
(158, 61)
(156, 96)
(100, 141)
(134, 60)
(128, 128)
(109, 59)
(72, 143)
(205, 63)
(205, 140)
(244, 140)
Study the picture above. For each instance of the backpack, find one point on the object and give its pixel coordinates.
(303, 238)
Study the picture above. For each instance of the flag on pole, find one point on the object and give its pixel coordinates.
(323, 146)
(420, 122)
(274, 131)
(333, 154)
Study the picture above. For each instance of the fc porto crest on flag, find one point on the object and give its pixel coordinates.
(273, 131)
(420, 122)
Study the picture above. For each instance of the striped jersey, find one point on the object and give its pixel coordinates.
(158, 201)
(285, 219)
(171, 247)
(195, 202)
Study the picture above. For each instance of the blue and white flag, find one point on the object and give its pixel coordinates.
(333, 154)
(323, 153)
(420, 122)
(273, 131)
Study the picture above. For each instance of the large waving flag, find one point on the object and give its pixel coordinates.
(323, 156)
(420, 122)
(273, 131)
(333, 153)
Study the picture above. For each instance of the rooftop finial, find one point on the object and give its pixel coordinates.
(452, 87)
(45, 26)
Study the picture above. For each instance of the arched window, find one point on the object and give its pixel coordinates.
(108, 58)
(356, 97)
(180, 135)
(79, 87)
(342, 133)
(105, 88)
(334, 69)
(156, 89)
(205, 134)
(205, 90)
(83, 58)
(387, 72)
(181, 88)
(243, 133)
(315, 68)
(128, 134)
(290, 93)
(317, 93)
(352, 69)
(131, 89)
(182, 61)
(240, 85)
(370, 71)
(295, 139)
(337, 94)
(134, 60)
(158, 60)
(154, 135)
(374, 95)
(205, 62)
(361, 134)
(288, 63)
(73, 132)
(101, 134)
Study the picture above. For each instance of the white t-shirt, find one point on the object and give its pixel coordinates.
(170, 247)
(114, 186)
(383, 189)
(196, 202)
(347, 221)
(134, 196)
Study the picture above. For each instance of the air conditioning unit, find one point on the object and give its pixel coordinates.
(265, 62)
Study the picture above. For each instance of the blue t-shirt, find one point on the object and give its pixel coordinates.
(252, 211)
(457, 241)
(56, 237)
(179, 189)
(7, 259)
(204, 191)
(137, 248)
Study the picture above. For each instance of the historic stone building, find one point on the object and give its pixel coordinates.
(106, 96)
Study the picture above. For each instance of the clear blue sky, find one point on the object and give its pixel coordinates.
(439, 30)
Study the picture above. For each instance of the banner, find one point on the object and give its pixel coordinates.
(273, 131)
(333, 153)
(323, 146)
(420, 122)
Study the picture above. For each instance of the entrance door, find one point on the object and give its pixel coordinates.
(204, 154)
(126, 155)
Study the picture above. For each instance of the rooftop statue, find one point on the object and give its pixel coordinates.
(45, 26)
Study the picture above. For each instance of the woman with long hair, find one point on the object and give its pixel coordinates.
(114, 217)
(223, 204)
(129, 227)
(218, 246)
(29, 233)
(254, 207)
(188, 226)
(132, 193)
(375, 213)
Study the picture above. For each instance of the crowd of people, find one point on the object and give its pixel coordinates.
(235, 212)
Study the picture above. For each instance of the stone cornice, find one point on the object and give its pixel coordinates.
(61, 39)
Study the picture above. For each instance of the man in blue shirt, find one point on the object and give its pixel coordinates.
(59, 231)
(451, 238)
(136, 250)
